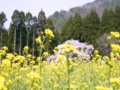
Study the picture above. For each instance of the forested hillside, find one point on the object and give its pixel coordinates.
(59, 18)
(92, 29)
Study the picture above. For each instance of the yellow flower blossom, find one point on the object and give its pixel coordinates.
(38, 59)
(33, 75)
(68, 48)
(6, 63)
(38, 40)
(2, 79)
(4, 48)
(45, 54)
(96, 52)
(2, 52)
(115, 81)
(49, 33)
(103, 88)
(115, 34)
(26, 49)
(10, 56)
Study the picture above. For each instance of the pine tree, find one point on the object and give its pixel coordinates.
(116, 21)
(74, 29)
(64, 34)
(106, 22)
(49, 24)
(91, 25)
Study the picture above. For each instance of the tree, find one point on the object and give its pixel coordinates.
(34, 24)
(64, 32)
(28, 19)
(22, 32)
(103, 44)
(106, 22)
(49, 24)
(90, 27)
(2, 21)
(116, 20)
(74, 30)
(5, 37)
(16, 22)
(42, 20)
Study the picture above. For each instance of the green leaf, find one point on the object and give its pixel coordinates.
(110, 66)
(71, 69)
(68, 61)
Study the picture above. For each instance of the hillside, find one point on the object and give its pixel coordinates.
(60, 17)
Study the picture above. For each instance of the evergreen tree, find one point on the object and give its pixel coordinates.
(116, 21)
(28, 19)
(13, 31)
(42, 20)
(74, 30)
(64, 30)
(49, 24)
(90, 27)
(2, 21)
(4, 37)
(11, 37)
(21, 32)
(33, 33)
(106, 21)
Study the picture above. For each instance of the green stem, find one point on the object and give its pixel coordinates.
(68, 79)
(68, 66)
(109, 76)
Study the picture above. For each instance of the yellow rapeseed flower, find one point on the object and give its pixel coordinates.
(68, 48)
(2, 52)
(4, 48)
(26, 49)
(2, 79)
(6, 63)
(115, 81)
(2, 86)
(45, 54)
(10, 56)
(115, 34)
(103, 88)
(38, 39)
(33, 75)
(49, 33)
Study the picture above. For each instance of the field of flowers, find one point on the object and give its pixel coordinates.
(30, 73)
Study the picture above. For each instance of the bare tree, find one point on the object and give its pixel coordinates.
(103, 44)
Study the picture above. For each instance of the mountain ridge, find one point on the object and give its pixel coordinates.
(99, 5)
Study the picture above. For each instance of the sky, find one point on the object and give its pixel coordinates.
(35, 6)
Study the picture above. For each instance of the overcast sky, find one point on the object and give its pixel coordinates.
(34, 6)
